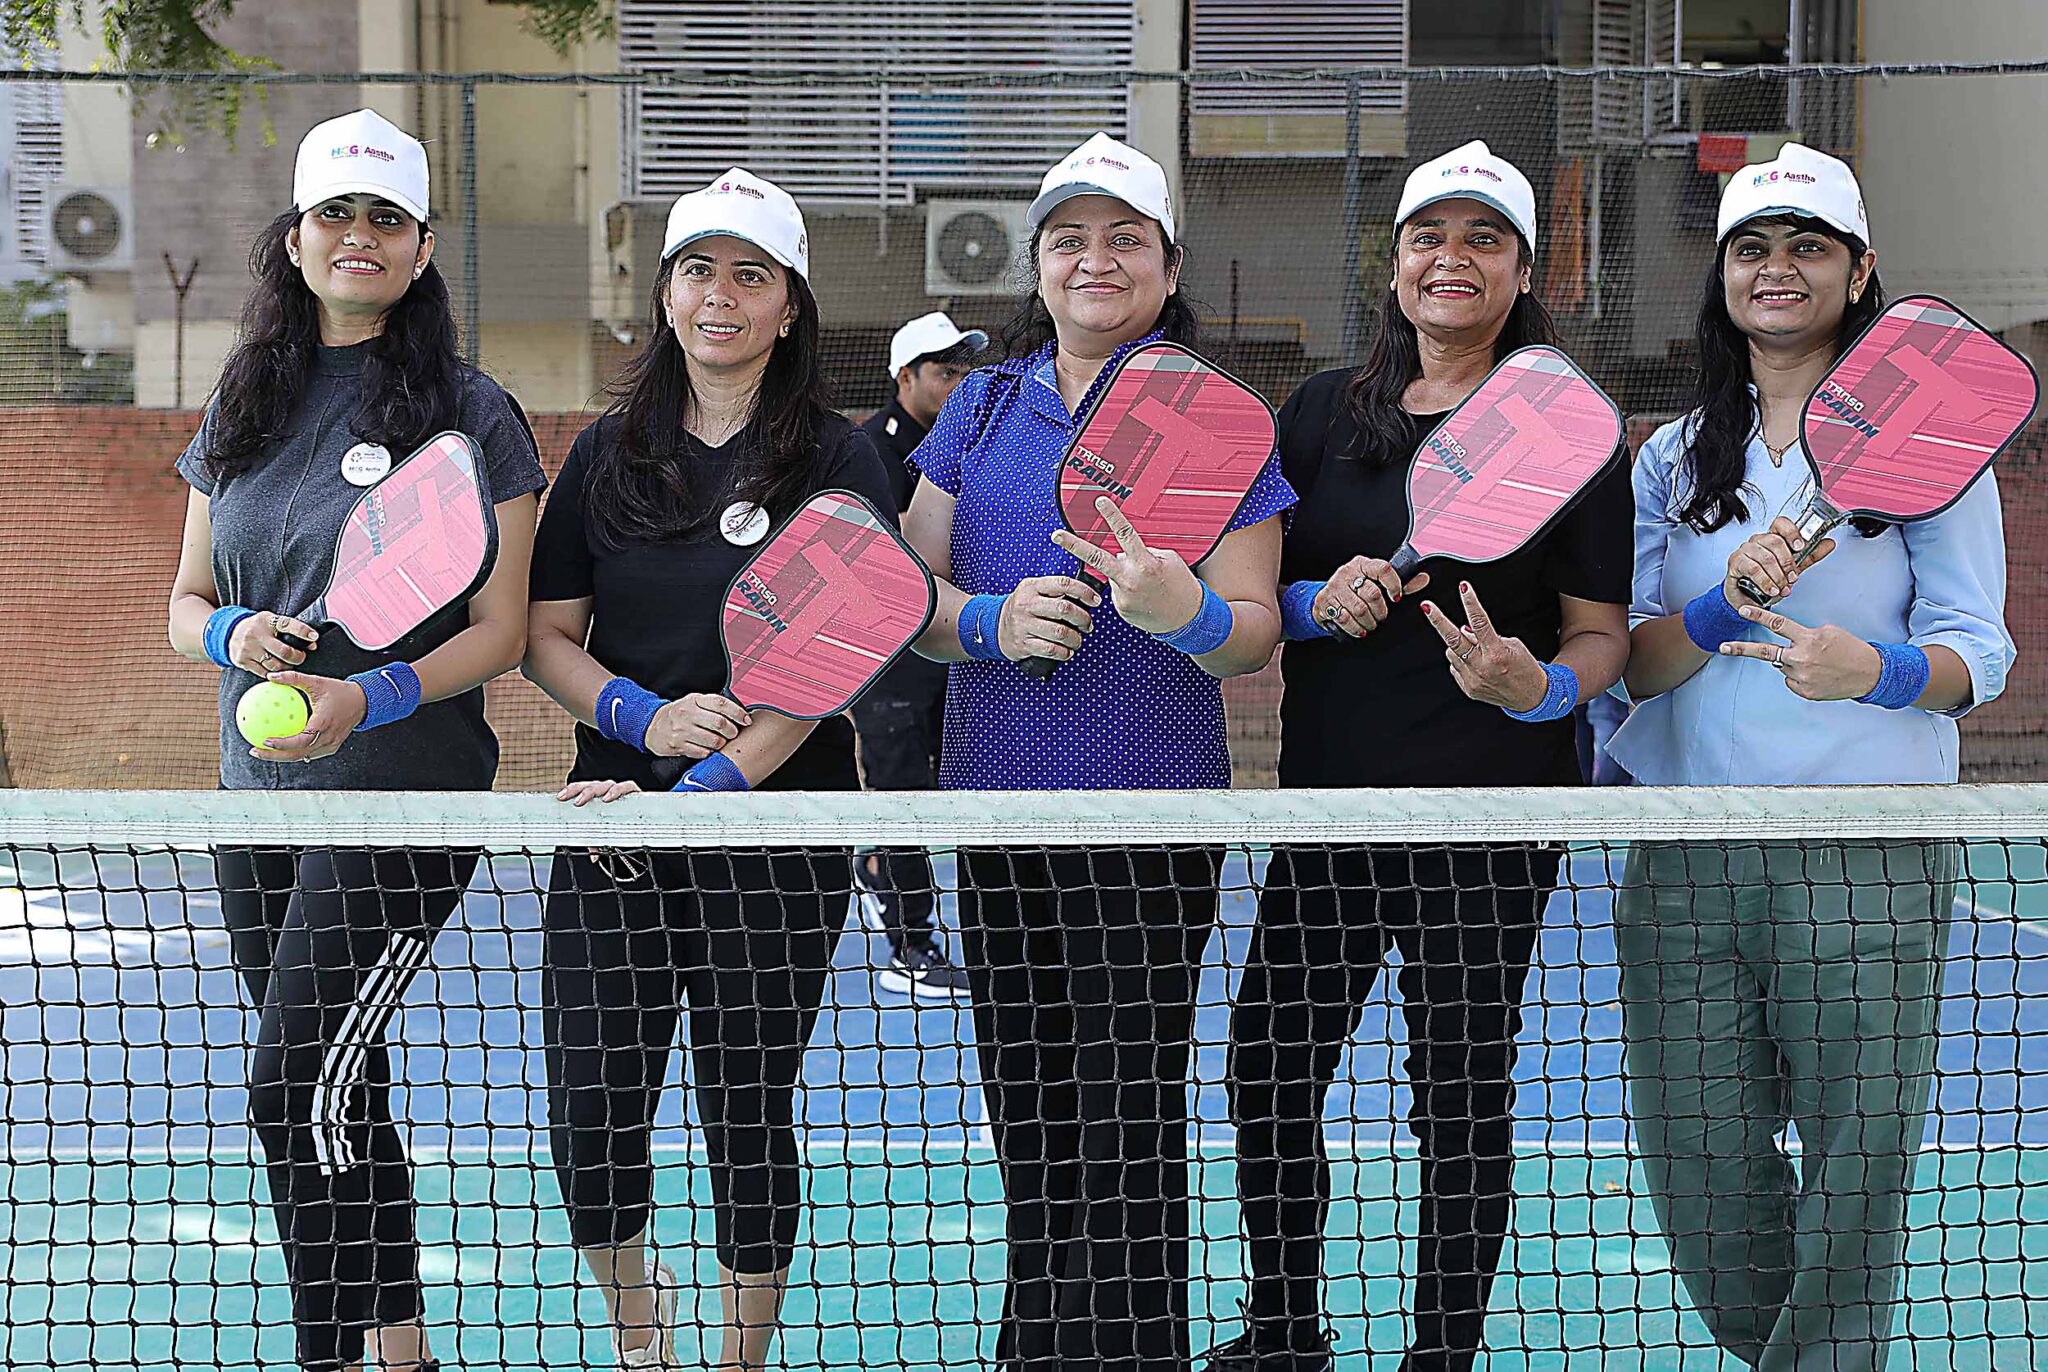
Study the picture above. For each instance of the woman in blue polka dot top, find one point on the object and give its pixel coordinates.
(1084, 963)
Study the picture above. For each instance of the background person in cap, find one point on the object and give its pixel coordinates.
(900, 720)
(1084, 963)
(1762, 983)
(720, 429)
(346, 361)
(1485, 704)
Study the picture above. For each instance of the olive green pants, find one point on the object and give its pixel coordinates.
(1767, 983)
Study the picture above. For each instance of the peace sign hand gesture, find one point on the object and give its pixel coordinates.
(1827, 663)
(1487, 667)
(1156, 591)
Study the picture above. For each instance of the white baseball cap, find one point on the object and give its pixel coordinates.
(928, 334)
(1797, 181)
(1473, 172)
(361, 152)
(746, 206)
(1104, 166)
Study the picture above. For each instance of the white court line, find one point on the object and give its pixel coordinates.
(2026, 926)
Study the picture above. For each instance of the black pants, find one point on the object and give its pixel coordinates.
(1466, 921)
(745, 940)
(326, 941)
(1084, 965)
(899, 751)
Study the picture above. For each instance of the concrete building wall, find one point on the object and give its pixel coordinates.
(1954, 170)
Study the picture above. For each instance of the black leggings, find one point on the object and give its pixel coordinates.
(746, 939)
(1466, 921)
(326, 941)
(1084, 966)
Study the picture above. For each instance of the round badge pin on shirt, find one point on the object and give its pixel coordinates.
(366, 464)
(744, 523)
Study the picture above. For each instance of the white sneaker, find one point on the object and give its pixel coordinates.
(659, 1353)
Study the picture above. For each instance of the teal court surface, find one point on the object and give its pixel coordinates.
(135, 1236)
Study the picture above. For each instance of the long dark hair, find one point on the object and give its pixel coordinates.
(642, 485)
(1031, 328)
(412, 381)
(1394, 361)
(1718, 440)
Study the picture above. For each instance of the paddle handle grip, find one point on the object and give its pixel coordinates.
(1815, 521)
(1405, 560)
(669, 770)
(1040, 668)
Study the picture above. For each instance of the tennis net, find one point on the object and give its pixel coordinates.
(140, 1230)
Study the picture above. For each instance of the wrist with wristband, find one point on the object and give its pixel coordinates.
(220, 627)
(1560, 696)
(979, 619)
(715, 773)
(1298, 612)
(1207, 631)
(1710, 620)
(625, 709)
(390, 693)
(1903, 670)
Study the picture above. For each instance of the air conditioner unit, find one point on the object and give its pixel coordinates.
(974, 247)
(90, 230)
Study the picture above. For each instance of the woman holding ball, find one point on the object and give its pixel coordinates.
(346, 362)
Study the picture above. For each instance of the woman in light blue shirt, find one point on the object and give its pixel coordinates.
(1773, 983)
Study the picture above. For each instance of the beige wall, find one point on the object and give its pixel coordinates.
(547, 167)
(1954, 169)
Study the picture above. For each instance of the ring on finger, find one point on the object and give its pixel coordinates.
(1778, 658)
(1358, 583)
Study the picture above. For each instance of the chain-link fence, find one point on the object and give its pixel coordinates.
(127, 248)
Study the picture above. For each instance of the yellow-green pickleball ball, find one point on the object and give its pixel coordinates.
(271, 709)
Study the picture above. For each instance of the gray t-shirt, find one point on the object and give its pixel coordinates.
(274, 531)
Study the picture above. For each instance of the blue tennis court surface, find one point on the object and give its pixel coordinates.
(134, 1234)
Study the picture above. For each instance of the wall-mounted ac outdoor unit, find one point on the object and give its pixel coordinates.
(90, 230)
(973, 247)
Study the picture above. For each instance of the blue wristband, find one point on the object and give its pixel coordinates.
(1560, 697)
(1297, 611)
(715, 773)
(1711, 621)
(1207, 631)
(624, 710)
(1902, 678)
(391, 692)
(978, 620)
(219, 626)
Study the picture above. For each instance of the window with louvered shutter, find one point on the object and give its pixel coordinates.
(1294, 118)
(851, 115)
(36, 161)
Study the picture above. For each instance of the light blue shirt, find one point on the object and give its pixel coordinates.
(1735, 722)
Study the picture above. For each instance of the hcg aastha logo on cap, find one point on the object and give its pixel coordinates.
(744, 523)
(366, 464)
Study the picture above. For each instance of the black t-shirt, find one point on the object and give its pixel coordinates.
(656, 605)
(896, 436)
(1385, 710)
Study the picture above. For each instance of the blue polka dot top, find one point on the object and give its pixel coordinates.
(1127, 712)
